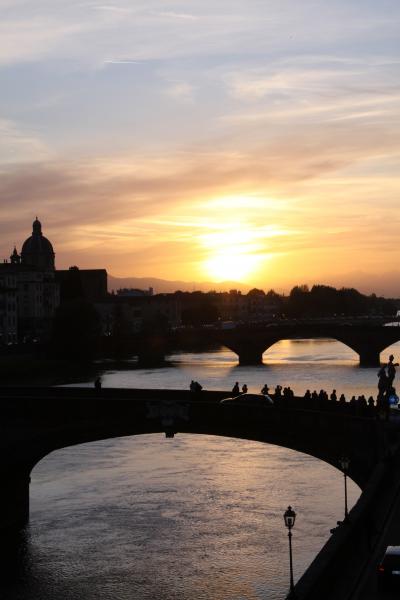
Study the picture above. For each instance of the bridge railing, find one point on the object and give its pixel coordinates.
(30, 396)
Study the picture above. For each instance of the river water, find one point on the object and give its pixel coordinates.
(194, 517)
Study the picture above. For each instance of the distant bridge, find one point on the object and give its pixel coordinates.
(37, 421)
(367, 337)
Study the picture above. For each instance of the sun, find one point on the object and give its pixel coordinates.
(235, 241)
(231, 265)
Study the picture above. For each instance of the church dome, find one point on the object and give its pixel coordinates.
(37, 250)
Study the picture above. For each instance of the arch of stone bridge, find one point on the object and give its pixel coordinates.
(357, 342)
(325, 437)
(325, 337)
(261, 344)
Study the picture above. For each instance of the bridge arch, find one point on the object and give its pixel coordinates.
(348, 353)
(251, 352)
(391, 349)
(103, 481)
(289, 442)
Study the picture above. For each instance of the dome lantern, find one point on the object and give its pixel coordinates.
(36, 227)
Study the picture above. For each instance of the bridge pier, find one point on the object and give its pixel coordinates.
(369, 357)
(14, 501)
(250, 356)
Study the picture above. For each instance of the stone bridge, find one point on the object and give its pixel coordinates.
(37, 421)
(367, 338)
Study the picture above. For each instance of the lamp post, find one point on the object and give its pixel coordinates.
(344, 463)
(290, 518)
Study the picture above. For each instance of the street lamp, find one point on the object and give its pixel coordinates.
(290, 518)
(344, 463)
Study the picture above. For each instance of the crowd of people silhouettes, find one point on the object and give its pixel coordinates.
(359, 405)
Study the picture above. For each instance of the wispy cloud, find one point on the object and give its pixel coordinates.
(19, 145)
(121, 61)
(176, 15)
(181, 90)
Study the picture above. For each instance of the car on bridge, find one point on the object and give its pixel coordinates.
(389, 567)
(249, 400)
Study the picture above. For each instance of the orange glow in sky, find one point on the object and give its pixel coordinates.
(205, 141)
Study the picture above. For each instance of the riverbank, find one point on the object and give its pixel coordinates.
(30, 370)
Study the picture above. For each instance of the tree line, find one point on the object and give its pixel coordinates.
(200, 308)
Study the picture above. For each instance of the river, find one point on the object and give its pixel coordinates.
(193, 517)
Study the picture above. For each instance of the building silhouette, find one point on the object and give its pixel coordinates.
(31, 289)
(29, 293)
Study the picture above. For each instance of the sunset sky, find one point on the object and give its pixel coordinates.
(251, 140)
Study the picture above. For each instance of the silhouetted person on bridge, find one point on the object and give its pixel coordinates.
(265, 390)
(235, 389)
(244, 389)
(322, 399)
(285, 397)
(195, 386)
(353, 405)
(382, 382)
(362, 404)
(97, 384)
(391, 371)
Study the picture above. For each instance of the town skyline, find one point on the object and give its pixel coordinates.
(373, 286)
(254, 142)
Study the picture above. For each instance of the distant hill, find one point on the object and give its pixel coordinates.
(163, 286)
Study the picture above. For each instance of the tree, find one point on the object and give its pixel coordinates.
(256, 292)
(298, 301)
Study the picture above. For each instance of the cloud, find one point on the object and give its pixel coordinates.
(17, 144)
(121, 61)
(157, 208)
(87, 31)
(181, 90)
(27, 40)
(175, 15)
